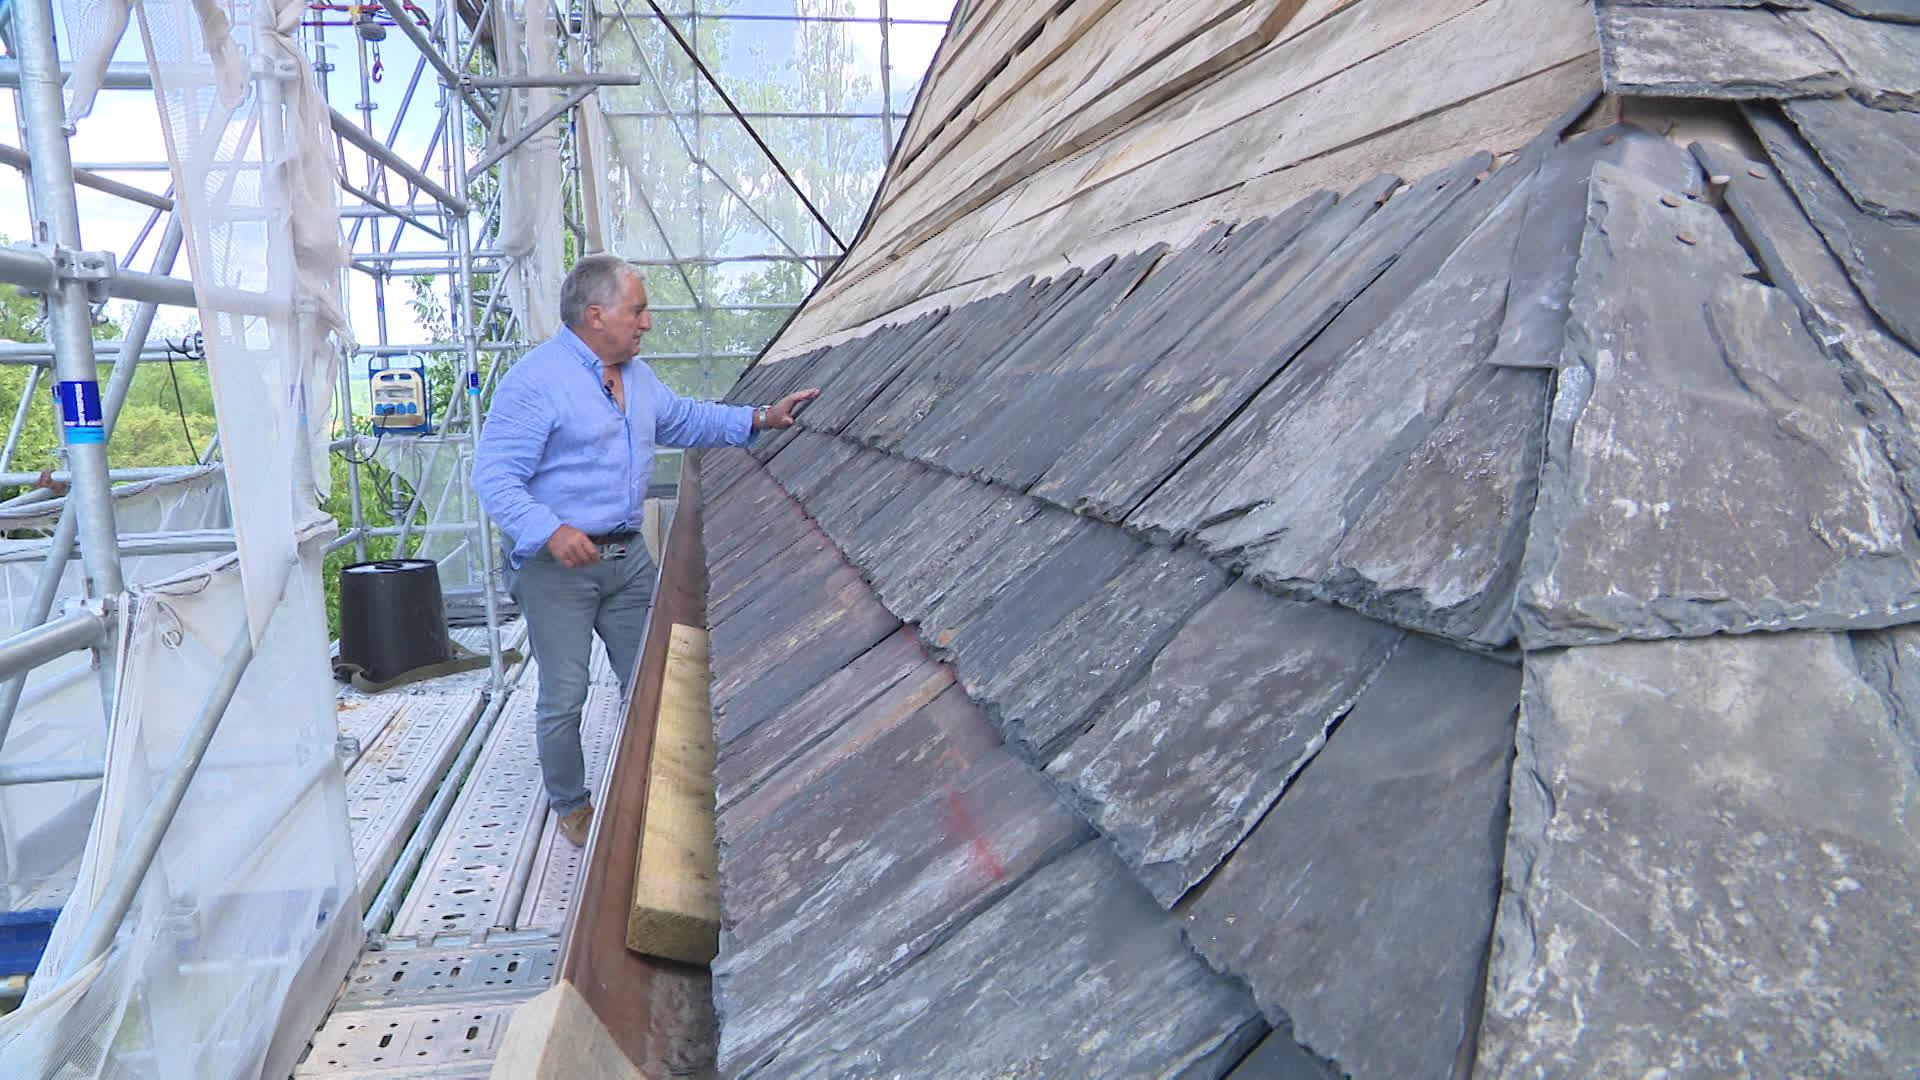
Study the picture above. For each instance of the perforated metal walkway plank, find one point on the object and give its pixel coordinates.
(500, 836)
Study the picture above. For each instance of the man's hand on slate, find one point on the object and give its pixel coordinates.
(780, 413)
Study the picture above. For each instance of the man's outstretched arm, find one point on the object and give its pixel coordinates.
(684, 422)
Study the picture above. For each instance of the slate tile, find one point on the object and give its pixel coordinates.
(1881, 256)
(1222, 359)
(987, 569)
(1074, 973)
(891, 545)
(1362, 905)
(941, 559)
(1874, 153)
(1712, 53)
(767, 444)
(908, 568)
(1883, 373)
(1187, 498)
(1706, 470)
(1009, 401)
(1186, 762)
(924, 871)
(1889, 660)
(762, 591)
(964, 341)
(849, 503)
(857, 384)
(1711, 867)
(894, 677)
(1090, 383)
(809, 462)
(1035, 600)
(1535, 325)
(796, 831)
(1294, 321)
(1278, 1057)
(1882, 58)
(1325, 445)
(1901, 11)
(864, 541)
(1473, 481)
(1044, 696)
(819, 630)
(769, 541)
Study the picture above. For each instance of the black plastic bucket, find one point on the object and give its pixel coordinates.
(392, 617)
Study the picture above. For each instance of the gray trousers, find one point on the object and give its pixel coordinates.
(564, 608)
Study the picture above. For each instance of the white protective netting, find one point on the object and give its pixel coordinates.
(42, 826)
(527, 42)
(248, 917)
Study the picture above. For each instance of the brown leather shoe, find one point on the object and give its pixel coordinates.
(575, 825)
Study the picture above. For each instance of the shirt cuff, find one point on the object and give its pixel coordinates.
(745, 415)
(539, 524)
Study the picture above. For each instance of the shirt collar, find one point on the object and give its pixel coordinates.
(571, 341)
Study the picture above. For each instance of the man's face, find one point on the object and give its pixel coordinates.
(622, 323)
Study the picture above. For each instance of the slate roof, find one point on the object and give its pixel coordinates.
(1459, 626)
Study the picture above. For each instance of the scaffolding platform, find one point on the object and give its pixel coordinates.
(478, 931)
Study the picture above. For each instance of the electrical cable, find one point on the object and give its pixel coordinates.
(191, 347)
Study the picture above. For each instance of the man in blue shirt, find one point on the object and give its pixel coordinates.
(562, 469)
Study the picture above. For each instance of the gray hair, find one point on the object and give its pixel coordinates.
(594, 280)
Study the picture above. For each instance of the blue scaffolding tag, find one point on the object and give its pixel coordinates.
(80, 415)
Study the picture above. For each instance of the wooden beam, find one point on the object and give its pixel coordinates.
(659, 1012)
(676, 886)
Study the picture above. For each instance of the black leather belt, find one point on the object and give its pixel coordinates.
(615, 537)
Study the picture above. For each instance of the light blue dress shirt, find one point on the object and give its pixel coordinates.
(556, 449)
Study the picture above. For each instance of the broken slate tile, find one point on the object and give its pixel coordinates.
(1473, 481)
(920, 874)
(1712, 53)
(1711, 869)
(1881, 256)
(1706, 470)
(1362, 905)
(1874, 153)
(1185, 763)
(1074, 973)
(793, 833)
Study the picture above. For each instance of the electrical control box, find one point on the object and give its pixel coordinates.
(397, 389)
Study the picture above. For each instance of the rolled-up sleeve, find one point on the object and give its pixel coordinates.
(685, 422)
(511, 445)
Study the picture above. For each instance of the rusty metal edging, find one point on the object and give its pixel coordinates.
(623, 988)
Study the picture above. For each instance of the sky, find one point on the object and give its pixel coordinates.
(124, 126)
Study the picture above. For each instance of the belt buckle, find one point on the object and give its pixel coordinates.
(613, 550)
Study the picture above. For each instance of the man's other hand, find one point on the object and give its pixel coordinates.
(780, 413)
(572, 547)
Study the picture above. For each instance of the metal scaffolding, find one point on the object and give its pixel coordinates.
(741, 192)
